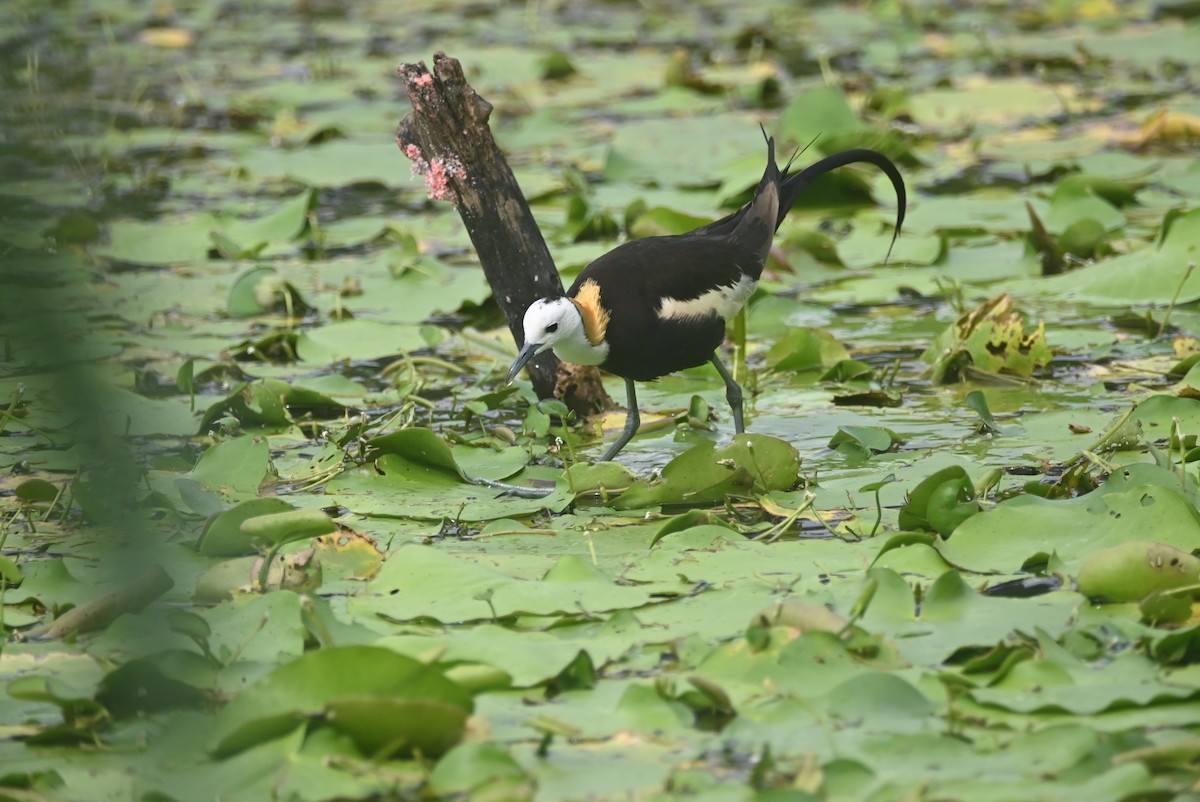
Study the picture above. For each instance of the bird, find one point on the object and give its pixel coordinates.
(657, 305)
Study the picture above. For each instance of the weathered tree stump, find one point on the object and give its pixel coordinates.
(448, 140)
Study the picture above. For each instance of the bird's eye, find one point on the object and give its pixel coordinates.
(553, 327)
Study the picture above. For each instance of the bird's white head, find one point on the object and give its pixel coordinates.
(551, 323)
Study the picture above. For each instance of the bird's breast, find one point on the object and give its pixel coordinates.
(579, 351)
(722, 301)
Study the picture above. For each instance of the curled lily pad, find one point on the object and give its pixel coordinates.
(598, 478)
(286, 527)
(260, 290)
(806, 349)
(271, 402)
(1134, 570)
(863, 441)
(337, 685)
(940, 502)
(472, 766)
(690, 520)
(223, 536)
(420, 446)
(752, 463)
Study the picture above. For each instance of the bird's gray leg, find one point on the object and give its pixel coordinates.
(733, 394)
(632, 421)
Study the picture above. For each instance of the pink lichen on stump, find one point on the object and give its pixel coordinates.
(437, 180)
(419, 165)
(423, 80)
(437, 171)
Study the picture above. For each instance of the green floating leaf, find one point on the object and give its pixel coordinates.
(227, 579)
(878, 696)
(10, 572)
(165, 681)
(597, 477)
(847, 370)
(228, 249)
(1158, 413)
(1119, 192)
(1003, 538)
(1132, 571)
(1162, 272)
(646, 710)
(949, 615)
(702, 475)
(665, 151)
(260, 290)
(940, 503)
(690, 520)
(1001, 214)
(185, 380)
(820, 246)
(1073, 203)
(556, 66)
(709, 703)
(412, 584)
(823, 110)
(192, 625)
(985, 100)
(904, 540)
(587, 222)
(222, 535)
(36, 490)
(1166, 607)
(579, 675)
(528, 658)
(1059, 680)
(282, 225)
(864, 440)
(276, 347)
(977, 402)
(382, 726)
(866, 248)
(421, 447)
(801, 617)
(661, 221)
(233, 469)
(477, 768)
(357, 340)
(397, 486)
(1083, 238)
(336, 163)
(49, 689)
(805, 349)
(422, 710)
(271, 403)
(824, 115)
(165, 241)
(75, 228)
(287, 527)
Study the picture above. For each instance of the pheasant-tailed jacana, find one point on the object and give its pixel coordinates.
(657, 305)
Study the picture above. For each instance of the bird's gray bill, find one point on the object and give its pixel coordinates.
(527, 353)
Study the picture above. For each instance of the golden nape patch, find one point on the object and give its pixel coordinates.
(595, 316)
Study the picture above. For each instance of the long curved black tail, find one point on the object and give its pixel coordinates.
(794, 184)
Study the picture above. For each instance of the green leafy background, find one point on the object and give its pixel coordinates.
(251, 371)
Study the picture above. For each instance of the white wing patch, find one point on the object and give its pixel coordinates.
(723, 302)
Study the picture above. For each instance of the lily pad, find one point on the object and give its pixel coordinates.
(315, 685)
(703, 475)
